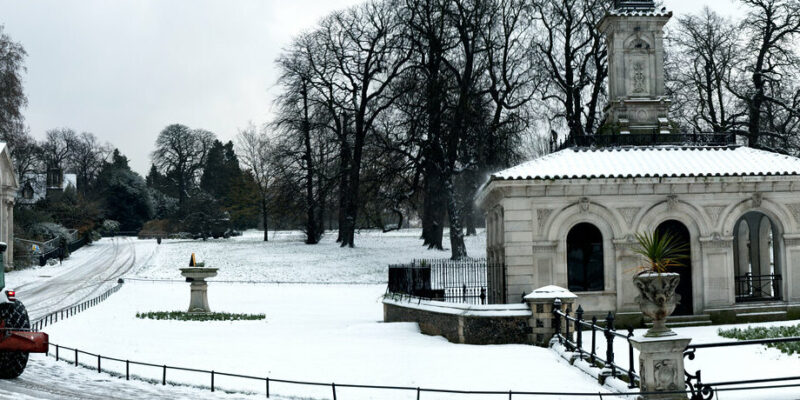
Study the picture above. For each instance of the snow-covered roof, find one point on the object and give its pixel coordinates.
(666, 161)
(550, 292)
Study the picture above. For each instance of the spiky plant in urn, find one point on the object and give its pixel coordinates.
(657, 298)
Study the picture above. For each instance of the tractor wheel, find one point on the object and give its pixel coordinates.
(12, 363)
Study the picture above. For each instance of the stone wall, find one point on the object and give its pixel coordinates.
(463, 323)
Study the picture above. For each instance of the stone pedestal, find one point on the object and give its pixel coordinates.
(661, 366)
(542, 323)
(198, 303)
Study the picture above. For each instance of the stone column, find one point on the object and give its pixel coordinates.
(542, 322)
(199, 297)
(661, 366)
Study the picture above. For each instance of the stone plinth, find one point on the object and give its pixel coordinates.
(198, 303)
(542, 323)
(661, 366)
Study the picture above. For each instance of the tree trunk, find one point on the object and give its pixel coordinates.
(264, 216)
(434, 207)
(457, 247)
(312, 236)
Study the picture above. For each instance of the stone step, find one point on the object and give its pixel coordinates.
(681, 321)
(767, 316)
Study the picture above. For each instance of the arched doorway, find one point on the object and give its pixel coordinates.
(681, 234)
(755, 250)
(585, 269)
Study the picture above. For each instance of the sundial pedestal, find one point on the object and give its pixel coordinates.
(198, 303)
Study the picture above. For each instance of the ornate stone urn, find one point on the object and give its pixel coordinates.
(657, 299)
(196, 274)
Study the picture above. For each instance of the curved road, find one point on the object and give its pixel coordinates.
(100, 266)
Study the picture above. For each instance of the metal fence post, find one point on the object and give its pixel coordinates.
(579, 330)
(418, 393)
(164, 376)
(557, 319)
(567, 336)
(98, 364)
(631, 367)
(267, 387)
(212, 380)
(56, 352)
(610, 343)
(333, 387)
(127, 370)
(76, 357)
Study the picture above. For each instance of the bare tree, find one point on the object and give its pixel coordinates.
(12, 95)
(181, 154)
(771, 26)
(574, 54)
(256, 154)
(705, 51)
(57, 147)
(87, 158)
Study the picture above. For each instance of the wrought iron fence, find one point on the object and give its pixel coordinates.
(706, 391)
(758, 287)
(608, 361)
(652, 139)
(457, 281)
(66, 312)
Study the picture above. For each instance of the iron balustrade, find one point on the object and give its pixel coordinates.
(706, 391)
(455, 281)
(651, 139)
(609, 332)
(758, 287)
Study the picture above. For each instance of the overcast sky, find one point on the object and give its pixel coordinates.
(125, 69)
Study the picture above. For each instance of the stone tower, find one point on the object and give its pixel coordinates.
(634, 32)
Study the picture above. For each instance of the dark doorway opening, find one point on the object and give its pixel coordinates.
(681, 234)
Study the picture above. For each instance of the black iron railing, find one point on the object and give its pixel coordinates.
(758, 287)
(609, 333)
(652, 139)
(455, 281)
(706, 391)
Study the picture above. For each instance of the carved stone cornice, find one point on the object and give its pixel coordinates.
(716, 241)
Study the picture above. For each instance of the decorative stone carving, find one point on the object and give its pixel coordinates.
(638, 78)
(542, 215)
(672, 202)
(795, 210)
(758, 198)
(665, 375)
(628, 213)
(585, 204)
(714, 213)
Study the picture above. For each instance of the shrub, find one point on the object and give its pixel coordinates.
(767, 332)
(185, 316)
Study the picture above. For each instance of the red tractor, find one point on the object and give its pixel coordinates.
(16, 338)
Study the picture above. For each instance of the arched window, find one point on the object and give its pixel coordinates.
(585, 259)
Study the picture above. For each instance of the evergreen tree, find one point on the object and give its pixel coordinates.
(124, 193)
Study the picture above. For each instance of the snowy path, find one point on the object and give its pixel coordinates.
(87, 273)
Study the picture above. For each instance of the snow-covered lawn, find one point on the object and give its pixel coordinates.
(322, 333)
(285, 258)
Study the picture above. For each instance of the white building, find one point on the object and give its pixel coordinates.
(8, 189)
(569, 218)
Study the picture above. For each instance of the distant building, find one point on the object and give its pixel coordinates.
(37, 186)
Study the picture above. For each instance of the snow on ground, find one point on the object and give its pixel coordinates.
(285, 258)
(724, 364)
(324, 333)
